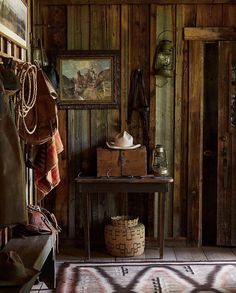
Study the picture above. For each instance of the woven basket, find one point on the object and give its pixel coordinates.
(121, 240)
(126, 221)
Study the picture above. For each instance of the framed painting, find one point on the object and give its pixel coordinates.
(89, 79)
(13, 21)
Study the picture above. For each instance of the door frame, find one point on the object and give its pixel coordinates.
(197, 37)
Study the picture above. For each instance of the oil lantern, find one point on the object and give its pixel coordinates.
(159, 161)
(164, 62)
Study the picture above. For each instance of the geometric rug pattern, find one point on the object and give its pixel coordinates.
(147, 277)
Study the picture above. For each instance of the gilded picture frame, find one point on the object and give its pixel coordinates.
(89, 79)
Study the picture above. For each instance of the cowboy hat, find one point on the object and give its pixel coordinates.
(123, 141)
(13, 271)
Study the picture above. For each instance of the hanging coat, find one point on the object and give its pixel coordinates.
(12, 184)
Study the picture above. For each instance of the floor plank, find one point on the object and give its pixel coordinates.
(153, 254)
(219, 253)
(189, 254)
(70, 254)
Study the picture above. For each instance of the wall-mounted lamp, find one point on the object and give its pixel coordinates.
(38, 54)
(165, 59)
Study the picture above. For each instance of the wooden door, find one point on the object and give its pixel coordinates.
(211, 144)
(226, 154)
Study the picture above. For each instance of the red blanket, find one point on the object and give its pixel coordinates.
(46, 170)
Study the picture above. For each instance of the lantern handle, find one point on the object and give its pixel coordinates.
(162, 33)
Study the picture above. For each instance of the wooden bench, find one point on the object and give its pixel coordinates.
(37, 252)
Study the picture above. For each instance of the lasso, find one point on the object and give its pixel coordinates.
(26, 97)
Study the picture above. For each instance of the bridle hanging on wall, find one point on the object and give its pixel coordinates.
(137, 101)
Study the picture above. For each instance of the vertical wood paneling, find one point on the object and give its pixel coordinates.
(124, 47)
(73, 164)
(153, 44)
(209, 15)
(78, 120)
(152, 202)
(224, 195)
(189, 20)
(104, 34)
(139, 57)
(138, 54)
(178, 141)
(78, 27)
(189, 13)
(55, 38)
(113, 42)
(229, 16)
(165, 28)
(37, 13)
(195, 141)
(98, 41)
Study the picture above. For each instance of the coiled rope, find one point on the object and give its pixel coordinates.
(26, 96)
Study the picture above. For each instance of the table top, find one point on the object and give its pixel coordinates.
(149, 179)
(123, 184)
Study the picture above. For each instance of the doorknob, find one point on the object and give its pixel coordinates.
(209, 153)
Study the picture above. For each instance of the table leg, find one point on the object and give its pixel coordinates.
(161, 221)
(87, 226)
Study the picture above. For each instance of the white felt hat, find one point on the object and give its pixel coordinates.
(123, 141)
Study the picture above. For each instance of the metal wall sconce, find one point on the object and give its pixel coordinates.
(38, 54)
(165, 59)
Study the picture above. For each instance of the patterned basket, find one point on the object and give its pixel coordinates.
(124, 221)
(121, 240)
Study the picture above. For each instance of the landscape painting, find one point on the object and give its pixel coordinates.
(89, 79)
(13, 21)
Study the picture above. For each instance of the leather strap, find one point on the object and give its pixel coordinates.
(137, 101)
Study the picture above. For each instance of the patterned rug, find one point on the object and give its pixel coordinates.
(147, 277)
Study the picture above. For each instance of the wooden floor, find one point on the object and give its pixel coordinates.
(170, 254)
(68, 253)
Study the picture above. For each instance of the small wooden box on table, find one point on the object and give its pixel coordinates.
(148, 184)
(121, 162)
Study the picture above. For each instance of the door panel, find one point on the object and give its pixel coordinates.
(195, 142)
(226, 148)
(210, 139)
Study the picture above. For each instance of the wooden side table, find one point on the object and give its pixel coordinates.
(149, 184)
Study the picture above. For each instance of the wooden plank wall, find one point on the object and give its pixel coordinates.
(229, 15)
(134, 29)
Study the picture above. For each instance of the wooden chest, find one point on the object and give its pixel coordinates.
(121, 162)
